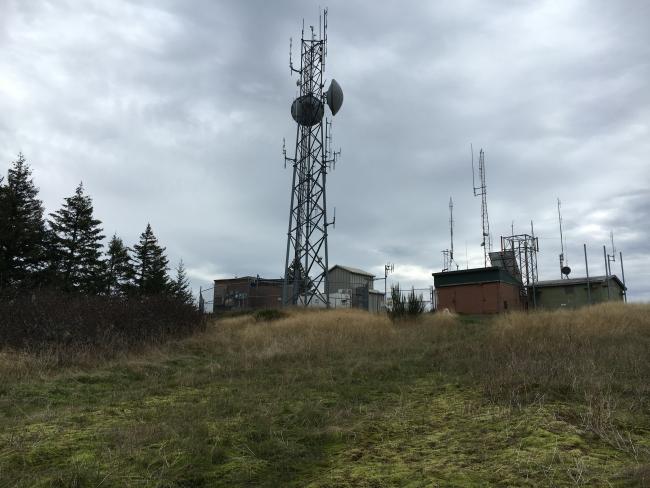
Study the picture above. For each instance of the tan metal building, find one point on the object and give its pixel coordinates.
(358, 284)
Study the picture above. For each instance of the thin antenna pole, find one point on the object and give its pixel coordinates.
(609, 294)
(451, 229)
(473, 182)
(534, 273)
(620, 254)
(559, 216)
(587, 270)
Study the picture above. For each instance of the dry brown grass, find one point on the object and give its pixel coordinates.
(248, 394)
(318, 333)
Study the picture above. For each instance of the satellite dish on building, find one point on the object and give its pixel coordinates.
(334, 97)
(566, 270)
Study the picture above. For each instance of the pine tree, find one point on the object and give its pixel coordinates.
(150, 264)
(180, 285)
(76, 244)
(22, 229)
(119, 269)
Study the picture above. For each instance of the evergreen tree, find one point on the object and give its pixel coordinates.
(180, 285)
(76, 245)
(150, 264)
(22, 229)
(119, 269)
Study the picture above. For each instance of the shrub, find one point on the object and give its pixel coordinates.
(414, 304)
(269, 314)
(412, 307)
(44, 319)
(398, 308)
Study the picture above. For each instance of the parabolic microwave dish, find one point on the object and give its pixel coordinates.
(308, 110)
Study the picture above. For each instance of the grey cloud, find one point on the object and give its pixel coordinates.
(174, 113)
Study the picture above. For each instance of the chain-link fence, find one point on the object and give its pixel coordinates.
(426, 295)
(257, 293)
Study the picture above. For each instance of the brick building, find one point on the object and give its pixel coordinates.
(247, 293)
(478, 291)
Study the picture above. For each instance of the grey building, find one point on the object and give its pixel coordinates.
(574, 292)
(358, 284)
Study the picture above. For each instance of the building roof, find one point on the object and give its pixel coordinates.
(466, 271)
(579, 281)
(490, 274)
(349, 269)
(251, 278)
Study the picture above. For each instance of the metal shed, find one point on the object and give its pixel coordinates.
(358, 284)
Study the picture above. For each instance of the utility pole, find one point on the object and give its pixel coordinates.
(388, 268)
(620, 254)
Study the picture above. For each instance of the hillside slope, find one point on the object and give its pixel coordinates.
(334, 399)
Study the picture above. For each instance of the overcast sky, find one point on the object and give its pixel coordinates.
(173, 113)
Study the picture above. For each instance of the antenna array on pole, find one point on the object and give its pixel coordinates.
(481, 190)
(306, 263)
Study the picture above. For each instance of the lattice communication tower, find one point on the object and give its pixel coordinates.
(519, 256)
(306, 264)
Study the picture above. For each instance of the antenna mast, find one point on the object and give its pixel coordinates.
(486, 239)
(451, 230)
(611, 257)
(448, 254)
(306, 264)
(564, 262)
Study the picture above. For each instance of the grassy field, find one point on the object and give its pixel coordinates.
(341, 399)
